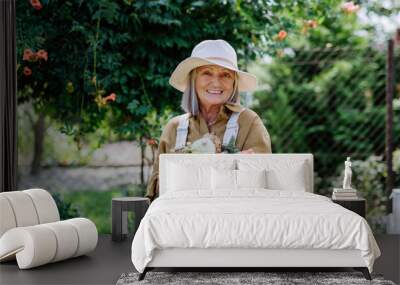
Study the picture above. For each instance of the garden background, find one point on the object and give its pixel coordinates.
(93, 93)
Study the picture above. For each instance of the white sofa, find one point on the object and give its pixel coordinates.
(31, 231)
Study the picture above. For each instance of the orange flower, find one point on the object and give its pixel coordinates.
(110, 97)
(28, 54)
(42, 54)
(152, 142)
(102, 101)
(36, 4)
(27, 71)
(312, 24)
(350, 7)
(282, 35)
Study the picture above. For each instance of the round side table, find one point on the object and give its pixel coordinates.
(120, 208)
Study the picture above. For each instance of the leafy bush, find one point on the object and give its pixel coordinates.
(66, 209)
(326, 95)
(70, 57)
(96, 205)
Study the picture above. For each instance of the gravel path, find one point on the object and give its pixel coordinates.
(57, 179)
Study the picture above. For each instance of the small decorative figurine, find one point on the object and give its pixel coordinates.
(347, 174)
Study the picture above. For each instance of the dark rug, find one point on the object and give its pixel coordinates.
(228, 278)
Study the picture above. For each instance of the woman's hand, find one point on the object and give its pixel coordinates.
(247, 151)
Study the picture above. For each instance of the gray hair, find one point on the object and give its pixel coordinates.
(190, 103)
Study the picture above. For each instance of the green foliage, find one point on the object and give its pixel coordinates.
(130, 48)
(96, 205)
(325, 95)
(369, 179)
(66, 209)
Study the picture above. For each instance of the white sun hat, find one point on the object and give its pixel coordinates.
(207, 52)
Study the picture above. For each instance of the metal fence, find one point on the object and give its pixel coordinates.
(329, 102)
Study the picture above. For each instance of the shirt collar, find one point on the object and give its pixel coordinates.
(233, 107)
(227, 109)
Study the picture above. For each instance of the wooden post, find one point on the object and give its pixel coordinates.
(389, 121)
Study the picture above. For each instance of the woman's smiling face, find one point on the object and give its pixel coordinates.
(214, 84)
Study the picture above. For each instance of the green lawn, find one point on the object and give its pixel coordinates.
(96, 205)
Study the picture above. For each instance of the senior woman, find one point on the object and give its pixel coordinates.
(211, 81)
